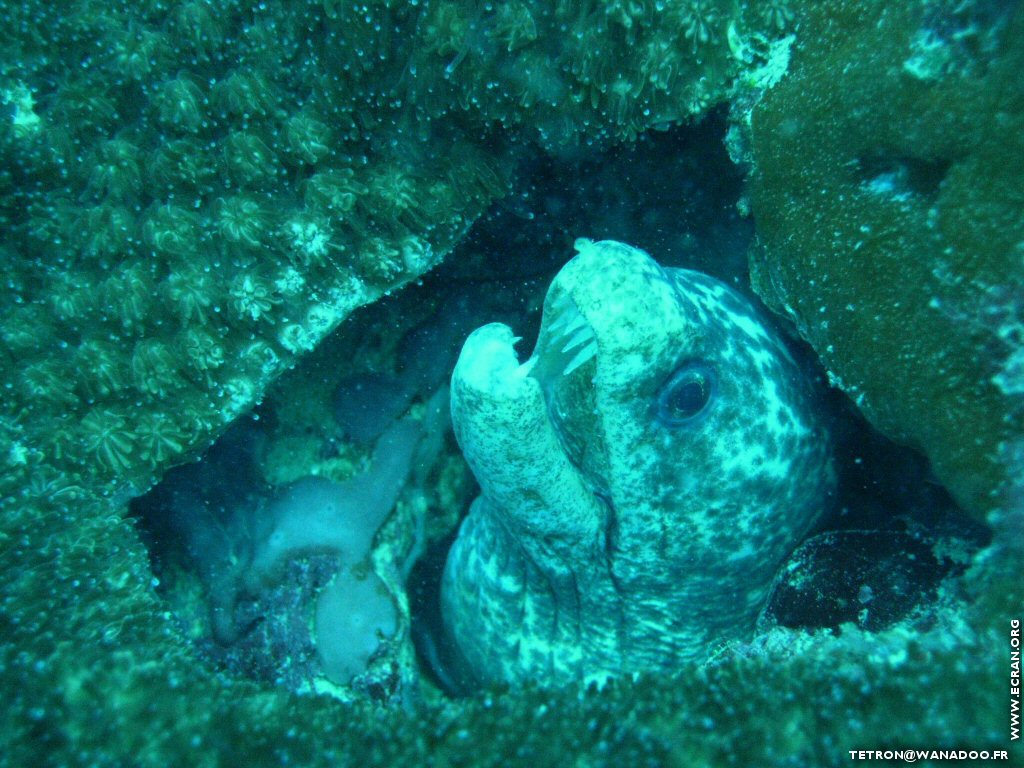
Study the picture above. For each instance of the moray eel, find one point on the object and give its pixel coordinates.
(643, 475)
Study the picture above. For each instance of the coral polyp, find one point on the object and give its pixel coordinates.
(396, 194)
(45, 382)
(242, 220)
(248, 159)
(380, 261)
(107, 231)
(159, 439)
(514, 25)
(777, 14)
(154, 368)
(309, 238)
(107, 439)
(200, 25)
(141, 52)
(244, 93)
(173, 231)
(204, 353)
(129, 295)
(698, 21)
(103, 372)
(189, 291)
(180, 167)
(333, 192)
(308, 138)
(181, 104)
(115, 173)
(252, 297)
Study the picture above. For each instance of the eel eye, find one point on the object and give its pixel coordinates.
(686, 394)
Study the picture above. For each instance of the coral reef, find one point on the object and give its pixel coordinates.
(887, 203)
(194, 195)
(190, 223)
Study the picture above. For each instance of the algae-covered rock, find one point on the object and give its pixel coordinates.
(889, 207)
(95, 673)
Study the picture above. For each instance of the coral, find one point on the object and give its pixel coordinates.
(244, 93)
(21, 336)
(179, 166)
(107, 231)
(296, 339)
(886, 221)
(159, 439)
(249, 160)
(514, 26)
(308, 138)
(193, 164)
(72, 302)
(107, 439)
(188, 290)
(128, 294)
(699, 19)
(593, 84)
(200, 26)
(180, 104)
(332, 191)
(115, 171)
(42, 382)
(153, 368)
(777, 14)
(262, 357)
(173, 231)
(103, 371)
(396, 192)
(242, 220)
(202, 351)
(309, 240)
(380, 261)
(252, 297)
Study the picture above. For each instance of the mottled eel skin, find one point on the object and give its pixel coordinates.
(643, 475)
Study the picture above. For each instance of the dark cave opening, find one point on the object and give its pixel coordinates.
(672, 193)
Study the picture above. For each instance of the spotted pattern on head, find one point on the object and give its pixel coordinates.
(643, 474)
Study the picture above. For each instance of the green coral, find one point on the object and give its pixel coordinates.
(889, 212)
(154, 191)
(107, 439)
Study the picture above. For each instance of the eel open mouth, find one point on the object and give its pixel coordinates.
(565, 364)
(566, 341)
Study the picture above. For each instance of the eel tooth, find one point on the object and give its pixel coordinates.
(581, 357)
(582, 335)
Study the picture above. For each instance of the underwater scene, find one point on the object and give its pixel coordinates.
(513, 383)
